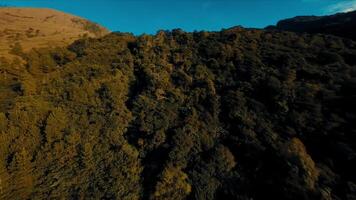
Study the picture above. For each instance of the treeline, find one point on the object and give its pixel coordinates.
(236, 114)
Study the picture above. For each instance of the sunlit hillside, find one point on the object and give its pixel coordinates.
(35, 28)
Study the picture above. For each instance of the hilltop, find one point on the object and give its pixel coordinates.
(39, 27)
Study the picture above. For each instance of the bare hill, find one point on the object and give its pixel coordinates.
(37, 27)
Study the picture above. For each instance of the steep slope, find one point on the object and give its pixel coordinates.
(341, 24)
(236, 114)
(36, 28)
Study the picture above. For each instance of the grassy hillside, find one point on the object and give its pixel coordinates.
(36, 28)
(236, 114)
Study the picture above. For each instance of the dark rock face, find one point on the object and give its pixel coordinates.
(342, 24)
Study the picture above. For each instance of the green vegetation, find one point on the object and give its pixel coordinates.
(236, 114)
(89, 26)
(16, 49)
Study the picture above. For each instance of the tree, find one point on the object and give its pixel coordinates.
(5, 179)
(172, 185)
(296, 154)
(23, 175)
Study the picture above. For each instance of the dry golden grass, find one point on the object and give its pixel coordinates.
(36, 28)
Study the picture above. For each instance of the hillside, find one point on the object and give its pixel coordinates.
(23, 29)
(36, 28)
(341, 24)
(236, 114)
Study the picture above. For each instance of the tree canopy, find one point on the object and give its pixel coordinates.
(235, 114)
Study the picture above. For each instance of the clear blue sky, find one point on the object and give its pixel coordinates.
(148, 16)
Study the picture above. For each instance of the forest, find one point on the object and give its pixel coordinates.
(236, 114)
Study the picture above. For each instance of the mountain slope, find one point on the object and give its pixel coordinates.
(341, 24)
(236, 114)
(36, 28)
(22, 29)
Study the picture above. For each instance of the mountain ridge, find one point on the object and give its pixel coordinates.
(339, 24)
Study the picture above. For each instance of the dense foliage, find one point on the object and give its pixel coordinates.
(236, 114)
